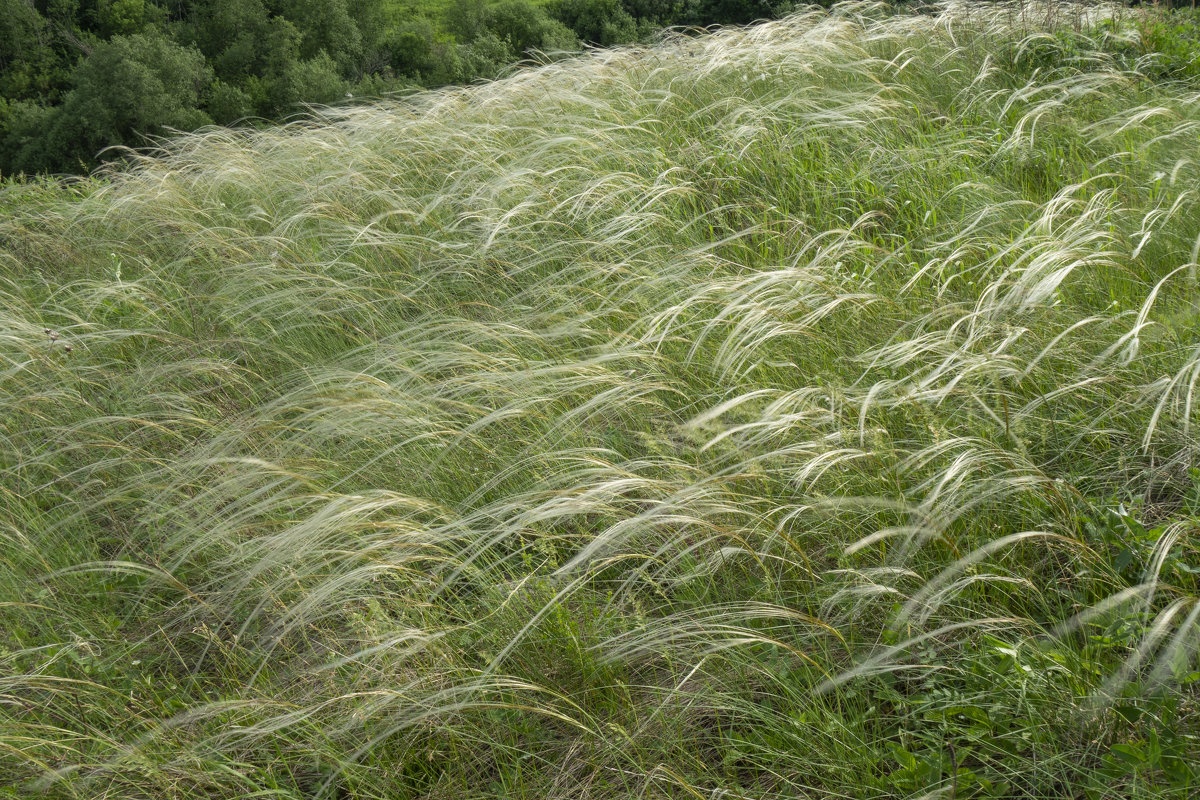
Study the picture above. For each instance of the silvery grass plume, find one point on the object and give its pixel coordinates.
(799, 410)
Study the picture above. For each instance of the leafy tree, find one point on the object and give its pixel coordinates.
(482, 58)
(256, 57)
(130, 87)
(494, 35)
(734, 12)
(176, 10)
(464, 19)
(313, 80)
(602, 22)
(32, 65)
(410, 48)
(227, 103)
(654, 12)
(557, 37)
(232, 34)
(120, 17)
(371, 18)
(23, 143)
(324, 25)
(526, 27)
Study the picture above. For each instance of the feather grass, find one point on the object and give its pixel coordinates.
(800, 410)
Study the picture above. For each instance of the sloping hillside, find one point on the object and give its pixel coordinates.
(804, 410)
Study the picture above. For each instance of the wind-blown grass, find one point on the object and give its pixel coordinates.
(804, 410)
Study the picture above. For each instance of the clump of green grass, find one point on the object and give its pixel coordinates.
(804, 410)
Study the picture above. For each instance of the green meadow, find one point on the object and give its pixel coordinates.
(800, 411)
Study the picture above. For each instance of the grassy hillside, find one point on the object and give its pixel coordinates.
(801, 411)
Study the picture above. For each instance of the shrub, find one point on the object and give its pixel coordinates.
(227, 103)
(597, 22)
(526, 27)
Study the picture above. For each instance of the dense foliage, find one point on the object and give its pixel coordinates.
(808, 410)
(79, 75)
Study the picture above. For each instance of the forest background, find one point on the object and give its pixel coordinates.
(80, 76)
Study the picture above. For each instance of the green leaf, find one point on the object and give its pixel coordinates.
(1130, 713)
(1129, 753)
(904, 758)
